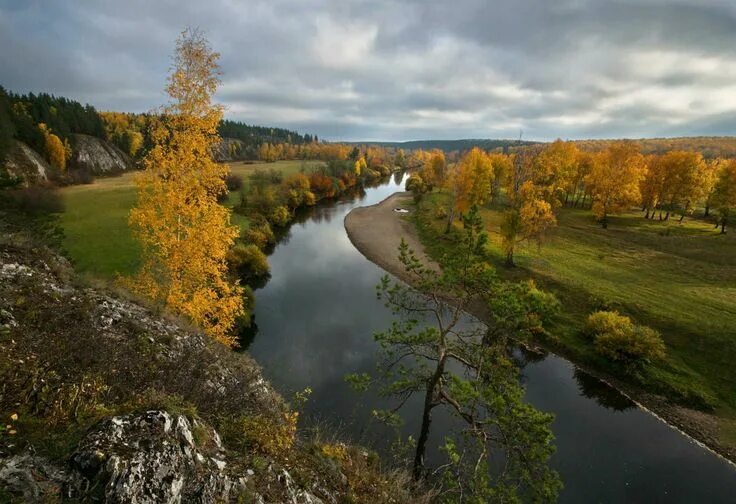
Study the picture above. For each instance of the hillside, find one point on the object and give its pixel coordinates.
(450, 145)
(108, 400)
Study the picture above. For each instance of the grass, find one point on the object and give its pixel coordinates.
(95, 220)
(679, 278)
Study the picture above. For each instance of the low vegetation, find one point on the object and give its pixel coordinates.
(655, 272)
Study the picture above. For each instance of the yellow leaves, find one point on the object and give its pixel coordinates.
(360, 166)
(434, 171)
(472, 179)
(185, 234)
(271, 437)
(57, 152)
(614, 178)
(336, 451)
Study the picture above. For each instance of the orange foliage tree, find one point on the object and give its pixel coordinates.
(470, 182)
(185, 234)
(614, 179)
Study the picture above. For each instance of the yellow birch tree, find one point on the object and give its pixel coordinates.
(185, 234)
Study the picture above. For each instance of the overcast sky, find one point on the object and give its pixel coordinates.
(400, 70)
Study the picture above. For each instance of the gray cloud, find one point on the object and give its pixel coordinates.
(398, 70)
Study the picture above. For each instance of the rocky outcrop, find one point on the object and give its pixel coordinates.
(153, 457)
(25, 163)
(98, 157)
(229, 149)
(150, 458)
(136, 401)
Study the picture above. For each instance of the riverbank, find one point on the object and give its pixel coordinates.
(376, 232)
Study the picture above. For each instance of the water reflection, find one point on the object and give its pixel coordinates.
(601, 392)
(316, 317)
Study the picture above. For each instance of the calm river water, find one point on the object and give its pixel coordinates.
(316, 318)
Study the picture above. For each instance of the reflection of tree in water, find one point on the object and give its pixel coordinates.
(398, 177)
(605, 395)
(524, 356)
(246, 334)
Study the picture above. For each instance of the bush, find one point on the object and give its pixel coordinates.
(79, 176)
(279, 216)
(619, 339)
(36, 200)
(258, 237)
(640, 344)
(608, 322)
(233, 182)
(440, 213)
(248, 260)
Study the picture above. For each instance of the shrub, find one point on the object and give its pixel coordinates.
(640, 344)
(233, 182)
(619, 339)
(264, 434)
(416, 184)
(440, 213)
(608, 322)
(310, 199)
(37, 200)
(248, 260)
(79, 176)
(257, 237)
(279, 216)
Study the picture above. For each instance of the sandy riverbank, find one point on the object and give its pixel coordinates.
(376, 232)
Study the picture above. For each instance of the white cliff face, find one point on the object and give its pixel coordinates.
(152, 457)
(98, 157)
(27, 164)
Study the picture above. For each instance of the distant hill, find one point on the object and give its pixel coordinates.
(450, 145)
(709, 147)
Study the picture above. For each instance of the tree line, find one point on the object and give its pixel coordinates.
(44, 122)
(533, 183)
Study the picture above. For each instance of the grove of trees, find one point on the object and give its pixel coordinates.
(531, 183)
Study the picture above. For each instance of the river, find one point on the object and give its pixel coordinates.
(316, 318)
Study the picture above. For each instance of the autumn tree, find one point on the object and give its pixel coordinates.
(434, 173)
(360, 166)
(555, 168)
(465, 367)
(469, 182)
(724, 194)
(502, 166)
(673, 181)
(184, 233)
(614, 179)
(56, 151)
(530, 214)
(708, 182)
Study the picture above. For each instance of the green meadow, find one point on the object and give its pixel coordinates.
(95, 219)
(679, 278)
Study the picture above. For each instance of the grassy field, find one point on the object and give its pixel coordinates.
(95, 219)
(679, 278)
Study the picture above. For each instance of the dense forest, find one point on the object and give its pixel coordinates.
(256, 135)
(48, 123)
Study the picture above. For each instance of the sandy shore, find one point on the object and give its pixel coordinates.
(376, 232)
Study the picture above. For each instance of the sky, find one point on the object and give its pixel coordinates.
(396, 70)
